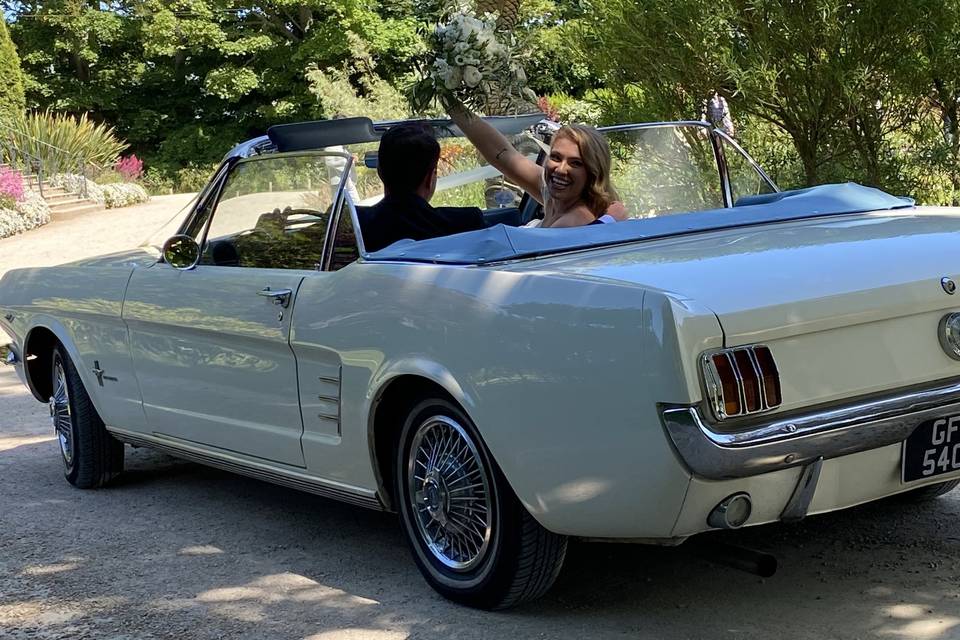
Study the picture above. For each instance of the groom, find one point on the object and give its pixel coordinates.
(407, 166)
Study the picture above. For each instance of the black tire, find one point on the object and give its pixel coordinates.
(930, 491)
(520, 560)
(92, 457)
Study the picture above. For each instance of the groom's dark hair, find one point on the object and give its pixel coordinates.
(408, 153)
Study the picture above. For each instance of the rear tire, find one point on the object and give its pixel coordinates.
(471, 538)
(931, 491)
(91, 456)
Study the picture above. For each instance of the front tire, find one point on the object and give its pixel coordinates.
(471, 538)
(91, 456)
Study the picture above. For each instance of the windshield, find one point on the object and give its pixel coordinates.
(664, 169)
(465, 179)
(657, 170)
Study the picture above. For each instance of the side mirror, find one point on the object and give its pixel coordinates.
(181, 252)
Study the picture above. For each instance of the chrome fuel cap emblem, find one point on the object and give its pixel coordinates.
(948, 285)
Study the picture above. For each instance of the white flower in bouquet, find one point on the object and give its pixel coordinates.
(470, 62)
(472, 76)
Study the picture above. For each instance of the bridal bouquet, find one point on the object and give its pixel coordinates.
(470, 62)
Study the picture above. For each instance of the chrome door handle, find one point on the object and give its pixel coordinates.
(279, 296)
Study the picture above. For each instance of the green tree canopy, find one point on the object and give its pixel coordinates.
(824, 72)
(182, 80)
(11, 77)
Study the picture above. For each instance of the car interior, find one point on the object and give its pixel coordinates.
(272, 211)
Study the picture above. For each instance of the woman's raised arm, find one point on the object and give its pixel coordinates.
(498, 151)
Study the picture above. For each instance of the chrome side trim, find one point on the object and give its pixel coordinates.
(286, 477)
(828, 433)
(799, 502)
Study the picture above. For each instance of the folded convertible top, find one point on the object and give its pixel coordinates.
(501, 242)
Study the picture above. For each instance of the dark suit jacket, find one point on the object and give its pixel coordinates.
(397, 217)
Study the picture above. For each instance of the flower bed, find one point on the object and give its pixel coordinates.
(30, 212)
(123, 194)
(113, 195)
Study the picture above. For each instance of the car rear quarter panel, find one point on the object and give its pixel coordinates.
(81, 306)
(561, 375)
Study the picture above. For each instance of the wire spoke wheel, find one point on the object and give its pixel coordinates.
(450, 493)
(60, 413)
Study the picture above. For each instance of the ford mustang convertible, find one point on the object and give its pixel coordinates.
(733, 355)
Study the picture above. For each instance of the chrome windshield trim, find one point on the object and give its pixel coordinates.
(749, 159)
(783, 443)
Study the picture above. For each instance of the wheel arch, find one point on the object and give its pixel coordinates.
(38, 346)
(397, 390)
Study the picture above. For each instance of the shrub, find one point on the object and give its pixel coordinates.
(11, 184)
(157, 182)
(129, 167)
(65, 144)
(123, 194)
(117, 194)
(32, 211)
(193, 178)
(108, 176)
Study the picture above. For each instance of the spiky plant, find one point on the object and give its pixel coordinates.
(62, 142)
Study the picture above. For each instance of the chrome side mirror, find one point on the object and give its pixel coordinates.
(181, 252)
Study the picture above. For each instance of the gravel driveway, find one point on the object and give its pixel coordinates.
(176, 550)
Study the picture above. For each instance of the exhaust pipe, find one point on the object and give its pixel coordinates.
(755, 562)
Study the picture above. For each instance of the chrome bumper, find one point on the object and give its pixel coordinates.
(802, 439)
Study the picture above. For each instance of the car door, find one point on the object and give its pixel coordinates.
(210, 345)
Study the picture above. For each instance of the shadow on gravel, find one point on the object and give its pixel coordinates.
(180, 550)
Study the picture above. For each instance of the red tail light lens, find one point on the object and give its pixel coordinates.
(769, 375)
(742, 381)
(730, 395)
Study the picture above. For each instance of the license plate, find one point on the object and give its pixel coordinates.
(932, 449)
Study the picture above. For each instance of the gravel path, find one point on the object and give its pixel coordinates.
(176, 550)
(90, 234)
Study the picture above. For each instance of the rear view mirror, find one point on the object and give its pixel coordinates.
(181, 252)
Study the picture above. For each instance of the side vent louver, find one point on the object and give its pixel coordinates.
(741, 381)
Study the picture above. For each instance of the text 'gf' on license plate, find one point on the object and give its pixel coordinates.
(932, 449)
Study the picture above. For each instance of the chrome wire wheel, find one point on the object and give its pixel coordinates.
(450, 493)
(60, 412)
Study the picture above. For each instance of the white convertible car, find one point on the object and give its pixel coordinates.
(734, 356)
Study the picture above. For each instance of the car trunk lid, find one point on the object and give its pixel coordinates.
(849, 305)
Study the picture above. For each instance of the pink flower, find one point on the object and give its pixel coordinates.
(11, 183)
(545, 106)
(130, 167)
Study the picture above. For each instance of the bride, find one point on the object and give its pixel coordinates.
(573, 185)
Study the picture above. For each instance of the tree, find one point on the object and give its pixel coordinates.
(183, 80)
(937, 76)
(824, 72)
(12, 100)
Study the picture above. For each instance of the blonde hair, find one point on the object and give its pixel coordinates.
(599, 193)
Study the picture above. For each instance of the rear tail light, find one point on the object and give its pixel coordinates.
(741, 381)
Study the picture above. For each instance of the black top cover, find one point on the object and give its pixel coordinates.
(301, 136)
